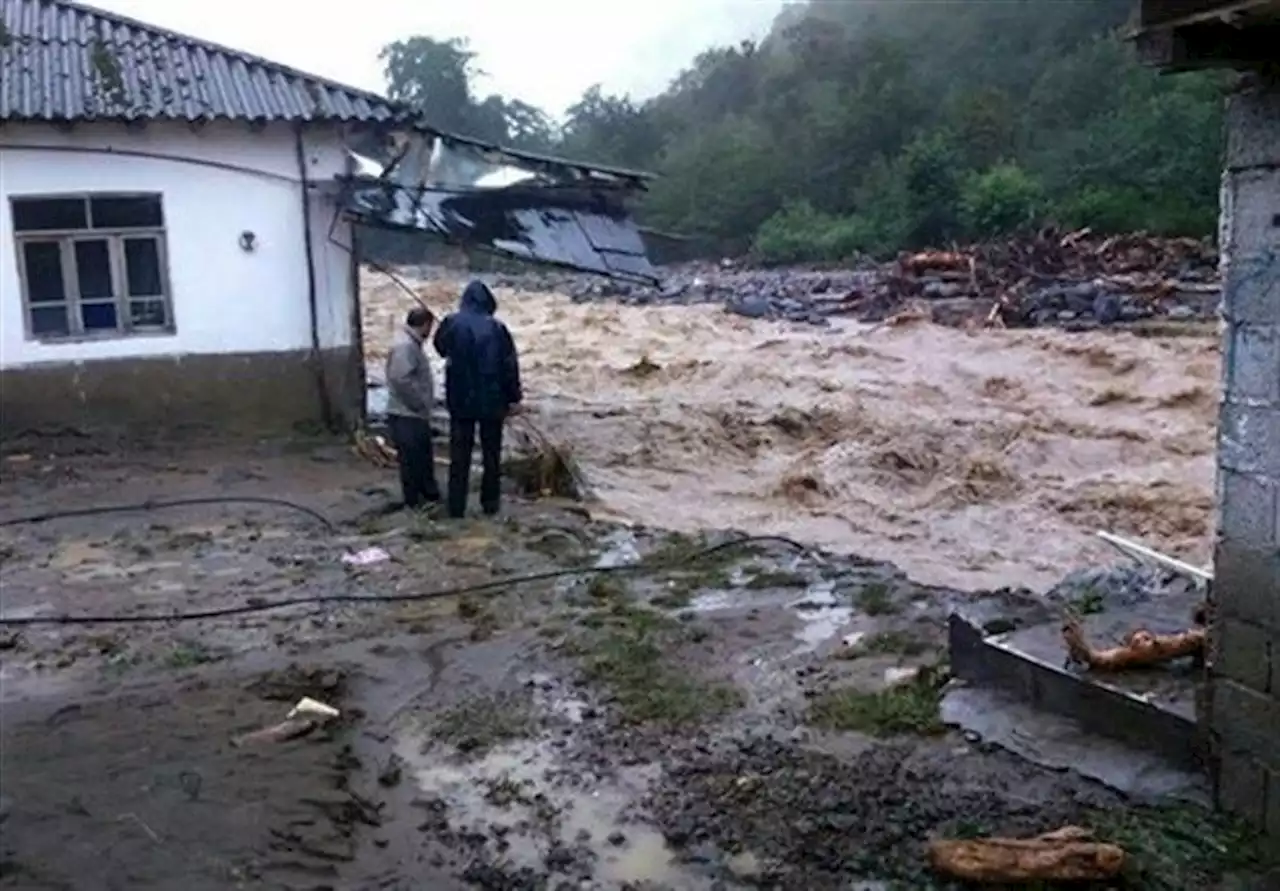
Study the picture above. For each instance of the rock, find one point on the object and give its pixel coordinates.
(752, 308)
(1106, 308)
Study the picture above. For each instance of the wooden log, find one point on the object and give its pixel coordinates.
(1066, 855)
(1139, 649)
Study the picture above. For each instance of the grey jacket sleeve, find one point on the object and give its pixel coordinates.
(403, 370)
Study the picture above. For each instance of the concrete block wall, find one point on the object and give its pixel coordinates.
(1243, 696)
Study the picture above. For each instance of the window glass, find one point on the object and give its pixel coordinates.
(142, 267)
(148, 313)
(93, 269)
(43, 260)
(45, 214)
(49, 321)
(98, 316)
(133, 212)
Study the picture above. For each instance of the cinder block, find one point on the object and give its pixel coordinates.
(1275, 670)
(1241, 789)
(1251, 292)
(1253, 127)
(1247, 505)
(1252, 364)
(1271, 821)
(1245, 583)
(1251, 228)
(1243, 653)
(1249, 438)
(1246, 722)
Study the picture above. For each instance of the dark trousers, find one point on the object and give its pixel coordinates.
(462, 440)
(412, 439)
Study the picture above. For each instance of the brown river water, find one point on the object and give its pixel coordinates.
(973, 459)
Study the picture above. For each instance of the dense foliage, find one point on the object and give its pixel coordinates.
(885, 124)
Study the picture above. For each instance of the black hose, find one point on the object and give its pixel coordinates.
(156, 505)
(495, 585)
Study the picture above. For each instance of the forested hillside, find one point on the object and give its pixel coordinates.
(872, 126)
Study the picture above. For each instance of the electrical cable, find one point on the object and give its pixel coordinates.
(482, 587)
(165, 503)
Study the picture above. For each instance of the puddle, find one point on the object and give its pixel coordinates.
(549, 696)
(510, 791)
(822, 613)
(822, 616)
(620, 550)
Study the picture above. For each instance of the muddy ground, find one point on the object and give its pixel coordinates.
(755, 717)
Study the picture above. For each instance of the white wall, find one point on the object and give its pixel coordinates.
(216, 182)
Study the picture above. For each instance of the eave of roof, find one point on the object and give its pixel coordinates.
(63, 61)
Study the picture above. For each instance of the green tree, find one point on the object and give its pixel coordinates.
(1003, 199)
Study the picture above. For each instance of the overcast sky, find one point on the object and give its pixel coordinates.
(542, 51)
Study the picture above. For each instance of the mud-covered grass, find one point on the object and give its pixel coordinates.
(1179, 847)
(698, 556)
(633, 651)
(765, 579)
(478, 724)
(907, 708)
(875, 599)
(480, 613)
(890, 642)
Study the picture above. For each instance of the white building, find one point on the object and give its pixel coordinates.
(175, 236)
(171, 246)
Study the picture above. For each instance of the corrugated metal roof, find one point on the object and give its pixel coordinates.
(62, 61)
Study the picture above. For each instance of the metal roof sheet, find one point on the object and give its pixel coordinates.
(62, 61)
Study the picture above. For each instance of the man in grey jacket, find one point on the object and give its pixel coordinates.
(411, 395)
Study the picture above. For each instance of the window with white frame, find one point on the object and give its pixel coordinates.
(92, 265)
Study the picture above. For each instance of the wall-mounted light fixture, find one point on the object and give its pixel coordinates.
(248, 241)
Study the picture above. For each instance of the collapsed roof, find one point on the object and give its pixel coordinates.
(518, 205)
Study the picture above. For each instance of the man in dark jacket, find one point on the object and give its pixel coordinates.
(481, 387)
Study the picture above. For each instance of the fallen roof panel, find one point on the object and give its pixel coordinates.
(574, 229)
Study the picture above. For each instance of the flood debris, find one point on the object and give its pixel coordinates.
(1047, 278)
(1139, 649)
(303, 718)
(541, 466)
(1069, 854)
(308, 707)
(366, 557)
(1066, 277)
(373, 448)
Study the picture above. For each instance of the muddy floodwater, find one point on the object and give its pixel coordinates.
(973, 459)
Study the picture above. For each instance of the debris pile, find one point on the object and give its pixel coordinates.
(541, 467)
(1051, 278)
(1054, 278)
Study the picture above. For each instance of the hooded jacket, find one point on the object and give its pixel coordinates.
(482, 368)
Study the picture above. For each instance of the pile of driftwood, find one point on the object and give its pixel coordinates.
(1051, 278)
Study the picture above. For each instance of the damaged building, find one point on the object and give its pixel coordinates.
(180, 223)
